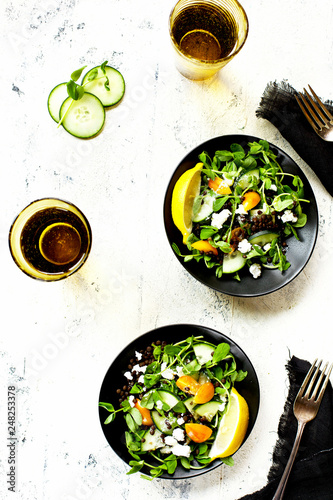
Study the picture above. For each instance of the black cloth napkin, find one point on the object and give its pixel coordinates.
(279, 106)
(311, 477)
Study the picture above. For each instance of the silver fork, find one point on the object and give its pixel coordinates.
(320, 119)
(305, 409)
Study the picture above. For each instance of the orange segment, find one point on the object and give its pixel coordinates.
(198, 432)
(145, 414)
(219, 186)
(204, 246)
(188, 384)
(251, 199)
(204, 393)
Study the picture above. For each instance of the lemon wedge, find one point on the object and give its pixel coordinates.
(232, 428)
(186, 189)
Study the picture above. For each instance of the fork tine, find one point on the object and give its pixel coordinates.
(312, 381)
(316, 389)
(322, 106)
(316, 107)
(307, 378)
(320, 397)
(305, 108)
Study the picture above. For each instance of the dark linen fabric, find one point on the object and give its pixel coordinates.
(279, 106)
(311, 477)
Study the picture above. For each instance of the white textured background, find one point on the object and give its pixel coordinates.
(58, 339)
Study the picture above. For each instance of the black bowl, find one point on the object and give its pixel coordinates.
(114, 378)
(298, 253)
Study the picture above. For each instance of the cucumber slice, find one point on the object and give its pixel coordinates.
(190, 405)
(203, 352)
(208, 410)
(97, 87)
(85, 117)
(56, 97)
(262, 238)
(205, 209)
(173, 401)
(233, 262)
(152, 441)
(245, 180)
(161, 422)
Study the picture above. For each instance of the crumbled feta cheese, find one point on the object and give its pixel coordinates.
(180, 421)
(138, 355)
(171, 441)
(172, 446)
(166, 372)
(159, 404)
(273, 187)
(181, 450)
(288, 216)
(128, 375)
(166, 449)
(267, 247)
(255, 270)
(240, 210)
(218, 219)
(131, 401)
(141, 379)
(265, 208)
(179, 370)
(227, 180)
(140, 369)
(244, 246)
(178, 434)
(222, 406)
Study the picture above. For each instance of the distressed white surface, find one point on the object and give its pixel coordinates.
(58, 339)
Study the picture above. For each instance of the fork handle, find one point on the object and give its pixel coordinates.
(283, 481)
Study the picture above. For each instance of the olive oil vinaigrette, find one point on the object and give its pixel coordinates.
(205, 32)
(50, 239)
(54, 240)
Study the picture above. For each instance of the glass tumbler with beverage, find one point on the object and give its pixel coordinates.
(50, 239)
(206, 35)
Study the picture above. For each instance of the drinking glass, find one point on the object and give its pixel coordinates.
(50, 239)
(206, 35)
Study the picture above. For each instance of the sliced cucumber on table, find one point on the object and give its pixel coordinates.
(97, 87)
(57, 96)
(83, 118)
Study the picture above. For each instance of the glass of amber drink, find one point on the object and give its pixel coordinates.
(206, 35)
(50, 239)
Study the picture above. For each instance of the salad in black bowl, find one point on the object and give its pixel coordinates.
(240, 215)
(179, 401)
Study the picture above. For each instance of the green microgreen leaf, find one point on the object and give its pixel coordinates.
(77, 73)
(107, 82)
(221, 352)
